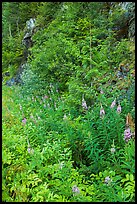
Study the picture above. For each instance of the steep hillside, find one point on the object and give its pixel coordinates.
(68, 98)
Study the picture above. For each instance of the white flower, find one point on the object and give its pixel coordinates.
(65, 117)
(112, 150)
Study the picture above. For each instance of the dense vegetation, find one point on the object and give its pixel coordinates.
(68, 130)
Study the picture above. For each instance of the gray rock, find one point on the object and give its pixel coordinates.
(31, 24)
(27, 35)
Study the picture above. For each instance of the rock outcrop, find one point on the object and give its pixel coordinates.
(27, 42)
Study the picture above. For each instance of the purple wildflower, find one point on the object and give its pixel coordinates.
(24, 121)
(61, 165)
(75, 189)
(45, 97)
(84, 105)
(102, 112)
(113, 104)
(119, 108)
(127, 135)
(107, 180)
(30, 150)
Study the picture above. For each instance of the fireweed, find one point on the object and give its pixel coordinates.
(127, 135)
(24, 121)
(84, 105)
(113, 104)
(101, 91)
(119, 108)
(102, 112)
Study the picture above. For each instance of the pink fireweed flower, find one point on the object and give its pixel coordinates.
(113, 104)
(24, 121)
(102, 112)
(45, 97)
(127, 135)
(84, 105)
(119, 108)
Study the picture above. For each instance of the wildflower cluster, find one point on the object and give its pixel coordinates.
(102, 111)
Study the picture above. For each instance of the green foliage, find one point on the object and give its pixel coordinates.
(57, 147)
(60, 152)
